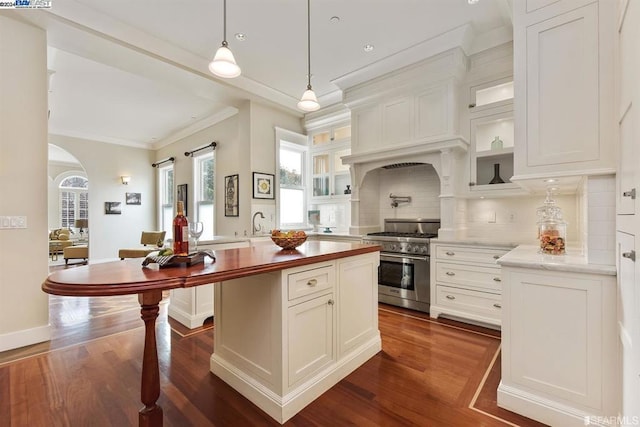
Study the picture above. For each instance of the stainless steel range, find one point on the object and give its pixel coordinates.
(403, 275)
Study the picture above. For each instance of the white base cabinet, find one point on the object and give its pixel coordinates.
(192, 306)
(284, 338)
(466, 282)
(559, 349)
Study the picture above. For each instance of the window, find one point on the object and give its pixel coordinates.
(292, 150)
(204, 179)
(166, 200)
(74, 200)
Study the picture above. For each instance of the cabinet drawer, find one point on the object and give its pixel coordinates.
(310, 281)
(461, 253)
(469, 301)
(469, 275)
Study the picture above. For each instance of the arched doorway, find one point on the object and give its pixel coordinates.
(68, 206)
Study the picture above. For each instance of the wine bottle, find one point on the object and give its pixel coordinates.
(180, 232)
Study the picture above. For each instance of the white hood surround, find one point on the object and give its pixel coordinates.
(410, 116)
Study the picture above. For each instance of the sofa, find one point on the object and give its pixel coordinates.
(59, 239)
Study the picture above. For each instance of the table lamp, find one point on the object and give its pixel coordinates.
(82, 224)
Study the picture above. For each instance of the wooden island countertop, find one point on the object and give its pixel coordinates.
(130, 277)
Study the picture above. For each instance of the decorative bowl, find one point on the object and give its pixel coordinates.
(289, 242)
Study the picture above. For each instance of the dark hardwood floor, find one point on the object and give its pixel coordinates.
(429, 373)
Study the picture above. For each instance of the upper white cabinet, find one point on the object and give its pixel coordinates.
(329, 177)
(563, 77)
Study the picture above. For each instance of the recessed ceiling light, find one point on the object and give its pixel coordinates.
(334, 19)
(241, 37)
(550, 180)
(368, 47)
(472, 1)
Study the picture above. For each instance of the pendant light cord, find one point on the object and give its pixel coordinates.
(308, 43)
(224, 23)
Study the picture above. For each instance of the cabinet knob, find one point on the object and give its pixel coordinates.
(330, 302)
(450, 273)
(450, 253)
(497, 279)
(450, 297)
(631, 193)
(629, 255)
(496, 256)
(497, 305)
(312, 282)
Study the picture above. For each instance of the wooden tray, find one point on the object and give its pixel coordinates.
(179, 260)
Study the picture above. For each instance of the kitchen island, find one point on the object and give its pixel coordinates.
(289, 324)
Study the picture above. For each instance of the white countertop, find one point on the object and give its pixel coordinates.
(527, 256)
(476, 241)
(223, 239)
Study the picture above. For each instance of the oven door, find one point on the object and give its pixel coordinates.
(404, 276)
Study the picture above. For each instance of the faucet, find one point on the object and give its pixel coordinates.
(255, 227)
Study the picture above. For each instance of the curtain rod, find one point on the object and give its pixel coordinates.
(190, 153)
(156, 164)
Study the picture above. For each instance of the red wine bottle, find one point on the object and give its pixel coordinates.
(180, 232)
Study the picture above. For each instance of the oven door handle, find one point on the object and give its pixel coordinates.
(412, 257)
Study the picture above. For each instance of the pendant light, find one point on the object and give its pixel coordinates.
(308, 102)
(224, 64)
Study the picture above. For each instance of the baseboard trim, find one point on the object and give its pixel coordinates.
(186, 319)
(25, 337)
(545, 410)
(282, 408)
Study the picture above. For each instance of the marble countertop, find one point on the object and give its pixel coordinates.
(476, 241)
(527, 256)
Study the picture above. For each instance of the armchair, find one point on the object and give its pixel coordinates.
(149, 241)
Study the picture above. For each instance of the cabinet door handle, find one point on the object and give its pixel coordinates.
(312, 282)
(450, 253)
(450, 297)
(496, 256)
(497, 279)
(450, 273)
(330, 302)
(497, 305)
(629, 255)
(631, 193)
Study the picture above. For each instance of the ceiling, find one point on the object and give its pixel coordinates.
(135, 72)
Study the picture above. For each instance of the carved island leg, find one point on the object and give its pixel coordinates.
(151, 414)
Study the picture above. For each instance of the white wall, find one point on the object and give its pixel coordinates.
(24, 313)
(246, 144)
(104, 165)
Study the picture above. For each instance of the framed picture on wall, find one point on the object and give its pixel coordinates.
(231, 196)
(263, 185)
(133, 198)
(112, 208)
(182, 197)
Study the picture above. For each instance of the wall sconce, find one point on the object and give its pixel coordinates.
(125, 179)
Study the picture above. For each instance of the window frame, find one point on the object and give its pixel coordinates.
(78, 211)
(295, 142)
(199, 198)
(166, 198)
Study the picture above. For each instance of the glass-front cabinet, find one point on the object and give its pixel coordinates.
(491, 129)
(329, 177)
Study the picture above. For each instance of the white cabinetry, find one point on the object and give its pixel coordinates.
(310, 314)
(559, 352)
(283, 338)
(627, 219)
(192, 306)
(563, 74)
(466, 282)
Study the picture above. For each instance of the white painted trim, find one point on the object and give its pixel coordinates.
(186, 319)
(285, 407)
(541, 409)
(25, 337)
